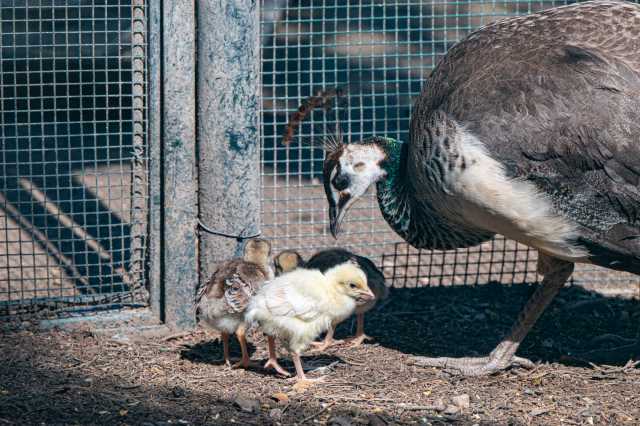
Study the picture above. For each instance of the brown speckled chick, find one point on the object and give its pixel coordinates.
(222, 301)
(288, 260)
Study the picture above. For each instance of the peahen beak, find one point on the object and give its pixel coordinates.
(337, 213)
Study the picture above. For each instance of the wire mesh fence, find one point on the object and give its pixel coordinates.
(73, 153)
(379, 53)
(73, 158)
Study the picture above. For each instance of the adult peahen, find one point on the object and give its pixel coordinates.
(530, 128)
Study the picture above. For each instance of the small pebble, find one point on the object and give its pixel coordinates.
(275, 414)
(462, 401)
(451, 409)
(439, 405)
(249, 405)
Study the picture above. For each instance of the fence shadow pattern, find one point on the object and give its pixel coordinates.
(72, 155)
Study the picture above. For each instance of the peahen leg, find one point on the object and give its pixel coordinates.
(555, 272)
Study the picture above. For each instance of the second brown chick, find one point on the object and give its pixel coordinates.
(222, 301)
(289, 260)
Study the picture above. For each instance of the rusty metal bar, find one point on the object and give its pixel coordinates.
(228, 80)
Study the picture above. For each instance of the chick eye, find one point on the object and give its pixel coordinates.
(353, 285)
(359, 166)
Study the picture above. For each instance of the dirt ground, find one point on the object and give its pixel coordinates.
(582, 345)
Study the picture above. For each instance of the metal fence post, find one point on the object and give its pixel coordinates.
(228, 126)
(179, 240)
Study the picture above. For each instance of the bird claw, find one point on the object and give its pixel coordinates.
(241, 364)
(482, 366)
(321, 346)
(272, 363)
(358, 340)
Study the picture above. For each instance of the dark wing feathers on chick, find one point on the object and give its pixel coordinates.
(564, 114)
(235, 282)
(327, 259)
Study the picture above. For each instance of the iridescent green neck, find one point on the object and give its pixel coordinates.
(392, 196)
(413, 218)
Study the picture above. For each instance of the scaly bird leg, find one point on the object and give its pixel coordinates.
(225, 348)
(273, 358)
(359, 337)
(244, 362)
(556, 272)
(328, 340)
(301, 379)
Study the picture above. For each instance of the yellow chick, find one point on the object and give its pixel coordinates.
(289, 260)
(297, 306)
(222, 301)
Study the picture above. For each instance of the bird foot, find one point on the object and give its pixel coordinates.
(321, 346)
(243, 363)
(273, 363)
(358, 340)
(482, 366)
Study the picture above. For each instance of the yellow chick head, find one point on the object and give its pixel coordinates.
(351, 281)
(287, 261)
(257, 251)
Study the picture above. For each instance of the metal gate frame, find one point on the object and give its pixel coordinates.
(203, 137)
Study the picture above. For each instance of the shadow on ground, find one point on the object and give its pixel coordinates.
(211, 352)
(579, 327)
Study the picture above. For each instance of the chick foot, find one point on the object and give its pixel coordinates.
(273, 363)
(273, 358)
(327, 342)
(358, 340)
(302, 381)
(242, 364)
(244, 361)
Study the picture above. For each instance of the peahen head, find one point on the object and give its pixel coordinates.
(351, 168)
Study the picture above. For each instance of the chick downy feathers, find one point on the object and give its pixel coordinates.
(287, 261)
(297, 306)
(326, 259)
(222, 301)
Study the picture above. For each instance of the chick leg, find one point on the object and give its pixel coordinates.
(244, 362)
(225, 348)
(301, 378)
(328, 339)
(359, 337)
(556, 272)
(273, 358)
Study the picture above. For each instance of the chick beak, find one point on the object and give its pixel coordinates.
(336, 213)
(366, 296)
